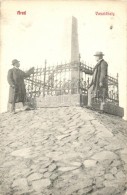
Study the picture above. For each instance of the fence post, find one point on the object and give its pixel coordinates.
(118, 88)
(79, 75)
(44, 78)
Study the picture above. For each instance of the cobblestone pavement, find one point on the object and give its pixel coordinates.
(62, 151)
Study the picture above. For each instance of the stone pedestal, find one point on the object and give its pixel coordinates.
(109, 108)
(58, 101)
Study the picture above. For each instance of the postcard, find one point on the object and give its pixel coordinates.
(63, 97)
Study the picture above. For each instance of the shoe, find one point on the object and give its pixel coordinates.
(100, 111)
(13, 112)
(26, 108)
(89, 107)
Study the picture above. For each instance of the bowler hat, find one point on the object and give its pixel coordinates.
(98, 53)
(14, 61)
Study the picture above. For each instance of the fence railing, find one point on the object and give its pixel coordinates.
(57, 80)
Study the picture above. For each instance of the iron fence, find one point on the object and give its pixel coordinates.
(58, 80)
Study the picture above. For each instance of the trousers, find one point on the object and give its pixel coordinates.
(90, 95)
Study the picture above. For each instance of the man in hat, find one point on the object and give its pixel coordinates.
(99, 84)
(17, 91)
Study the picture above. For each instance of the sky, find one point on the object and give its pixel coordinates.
(44, 33)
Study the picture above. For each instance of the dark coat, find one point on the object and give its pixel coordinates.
(17, 91)
(100, 75)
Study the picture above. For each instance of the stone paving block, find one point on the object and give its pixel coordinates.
(99, 182)
(109, 176)
(45, 164)
(39, 185)
(60, 137)
(102, 143)
(25, 153)
(22, 193)
(105, 155)
(66, 169)
(74, 132)
(75, 164)
(54, 176)
(21, 184)
(124, 155)
(90, 163)
(96, 122)
(115, 183)
(52, 167)
(85, 184)
(114, 170)
(106, 191)
(87, 190)
(34, 176)
(125, 168)
(104, 134)
(47, 174)
(8, 164)
(121, 175)
(116, 163)
(115, 144)
(96, 172)
(42, 170)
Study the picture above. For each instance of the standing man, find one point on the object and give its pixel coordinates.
(99, 84)
(17, 91)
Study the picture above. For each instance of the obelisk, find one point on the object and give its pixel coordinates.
(74, 41)
(74, 49)
(71, 45)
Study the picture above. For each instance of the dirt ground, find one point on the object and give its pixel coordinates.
(62, 151)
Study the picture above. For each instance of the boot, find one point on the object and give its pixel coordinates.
(12, 108)
(25, 106)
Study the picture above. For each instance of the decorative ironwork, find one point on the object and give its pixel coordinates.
(57, 80)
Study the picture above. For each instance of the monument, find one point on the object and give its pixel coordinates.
(67, 84)
(75, 56)
(74, 41)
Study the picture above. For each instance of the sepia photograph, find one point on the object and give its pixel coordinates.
(63, 97)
